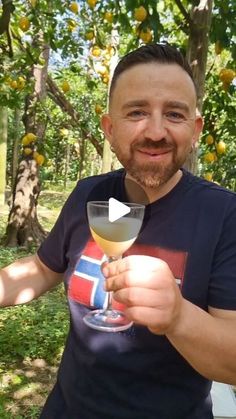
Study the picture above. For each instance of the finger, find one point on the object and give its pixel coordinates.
(157, 320)
(134, 278)
(133, 262)
(104, 264)
(144, 297)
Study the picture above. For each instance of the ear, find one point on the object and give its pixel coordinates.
(106, 125)
(198, 127)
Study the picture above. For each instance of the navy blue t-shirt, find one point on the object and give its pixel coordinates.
(135, 374)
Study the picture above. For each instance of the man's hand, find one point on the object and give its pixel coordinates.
(148, 288)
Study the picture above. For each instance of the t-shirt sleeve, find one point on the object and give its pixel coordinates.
(222, 287)
(53, 251)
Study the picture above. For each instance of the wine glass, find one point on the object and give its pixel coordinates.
(114, 238)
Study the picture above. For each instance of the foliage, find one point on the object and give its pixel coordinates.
(18, 326)
(32, 339)
(219, 115)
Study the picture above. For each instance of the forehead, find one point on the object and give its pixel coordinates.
(154, 80)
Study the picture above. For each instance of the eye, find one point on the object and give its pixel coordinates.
(136, 114)
(175, 116)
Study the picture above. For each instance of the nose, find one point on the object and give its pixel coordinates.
(155, 128)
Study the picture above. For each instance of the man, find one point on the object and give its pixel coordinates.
(177, 280)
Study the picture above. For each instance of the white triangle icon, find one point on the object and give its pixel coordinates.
(116, 210)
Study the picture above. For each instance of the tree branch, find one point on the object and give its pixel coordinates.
(183, 11)
(7, 9)
(57, 96)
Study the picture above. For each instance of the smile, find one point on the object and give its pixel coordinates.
(154, 154)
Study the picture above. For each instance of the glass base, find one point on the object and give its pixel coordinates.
(107, 320)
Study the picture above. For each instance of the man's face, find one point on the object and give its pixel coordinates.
(152, 121)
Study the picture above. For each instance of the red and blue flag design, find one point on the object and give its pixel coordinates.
(86, 282)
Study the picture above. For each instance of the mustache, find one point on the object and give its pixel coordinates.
(153, 145)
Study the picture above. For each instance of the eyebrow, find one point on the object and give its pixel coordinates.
(134, 104)
(174, 104)
(178, 105)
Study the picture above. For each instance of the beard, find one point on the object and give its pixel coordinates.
(150, 174)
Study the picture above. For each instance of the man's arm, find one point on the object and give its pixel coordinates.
(207, 340)
(25, 280)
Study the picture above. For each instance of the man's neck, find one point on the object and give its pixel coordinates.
(152, 193)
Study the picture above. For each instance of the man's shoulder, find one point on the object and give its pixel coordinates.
(208, 188)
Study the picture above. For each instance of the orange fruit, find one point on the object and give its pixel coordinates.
(209, 139)
(96, 51)
(24, 23)
(20, 83)
(13, 84)
(28, 138)
(31, 137)
(227, 75)
(208, 176)
(146, 35)
(92, 3)
(209, 157)
(71, 25)
(89, 35)
(108, 17)
(140, 14)
(74, 7)
(25, 140)
(105, 79)
(27, 151)
(65, 86)
(40, 159)
(98, 109)
(221, 147)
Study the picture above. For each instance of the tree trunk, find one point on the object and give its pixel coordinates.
(3, 152)
(23, 227)
(107, 157)
(199, 27)
(16, 141)
(67, 164)
(81, 149)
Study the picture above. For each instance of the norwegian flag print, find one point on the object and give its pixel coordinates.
(86, 282)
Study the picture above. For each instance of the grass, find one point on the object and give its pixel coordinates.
(32, 336)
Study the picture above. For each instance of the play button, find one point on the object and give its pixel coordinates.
(115, 217)
(117, 210)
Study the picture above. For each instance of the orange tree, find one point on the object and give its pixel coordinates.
(217, 153)
(30, 31)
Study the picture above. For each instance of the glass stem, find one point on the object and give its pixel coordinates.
(110, 293)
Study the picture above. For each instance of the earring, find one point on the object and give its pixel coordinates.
(112, 148)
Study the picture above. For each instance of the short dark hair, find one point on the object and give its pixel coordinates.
(163, 53)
